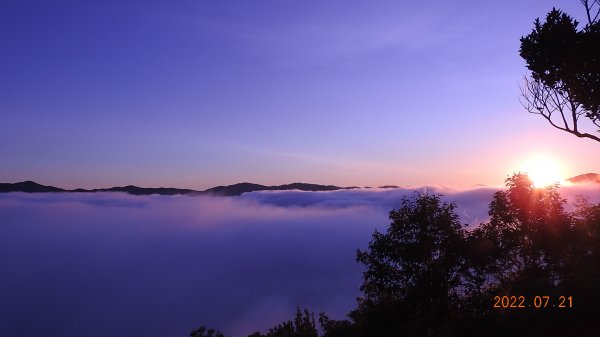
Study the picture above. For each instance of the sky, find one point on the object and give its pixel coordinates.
(112, 264)
(194, 94)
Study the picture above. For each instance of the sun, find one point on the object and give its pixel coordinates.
(543, 171)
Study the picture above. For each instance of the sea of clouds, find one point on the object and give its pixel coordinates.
(112, 264)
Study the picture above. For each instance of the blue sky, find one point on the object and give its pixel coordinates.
(202, 93)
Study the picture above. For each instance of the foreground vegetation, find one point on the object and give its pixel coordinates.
(532, 270)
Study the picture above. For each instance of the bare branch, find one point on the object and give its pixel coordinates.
(556, 106)
(589, 9)
(587, 6)
(597, 3)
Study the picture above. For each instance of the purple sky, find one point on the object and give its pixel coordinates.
(201, 93)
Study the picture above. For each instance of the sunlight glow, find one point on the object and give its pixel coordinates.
(543, 171)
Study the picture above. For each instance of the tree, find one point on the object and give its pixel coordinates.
(202, 331)
(528, 230)
(336, 328)
(303, 325)
(582, 265)
(531, 246)
(414, 272)
(564, 85)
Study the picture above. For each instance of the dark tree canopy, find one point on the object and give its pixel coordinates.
(303, 325)
(418, 262)
(429, 276)
(565, 71)
(202, 331)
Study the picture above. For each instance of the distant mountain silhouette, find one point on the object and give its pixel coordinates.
(585, 178)
(29, 187)
(230, 190)
(235, 189)
(135, 190)
(388, 186)
(238, 189)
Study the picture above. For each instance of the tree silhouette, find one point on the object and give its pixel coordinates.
(337, 328)
(303, 325)
(533, 246)
(527, 238)
(202, 331)
(565, 71)
(415, 271)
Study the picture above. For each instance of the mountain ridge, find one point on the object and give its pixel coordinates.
(238, 189)
(226, 190)
(586, 177)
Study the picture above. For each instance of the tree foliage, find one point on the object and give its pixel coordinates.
(303, 325)
(417, 263)
(202, 331)
(565, 71)
(429, 276)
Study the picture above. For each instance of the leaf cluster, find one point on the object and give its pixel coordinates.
(565, 58)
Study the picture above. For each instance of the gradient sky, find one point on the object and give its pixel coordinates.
(202, 93)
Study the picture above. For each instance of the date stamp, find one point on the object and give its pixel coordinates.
(535, 302)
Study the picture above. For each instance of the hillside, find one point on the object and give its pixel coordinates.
(228, 190)
(585, 178)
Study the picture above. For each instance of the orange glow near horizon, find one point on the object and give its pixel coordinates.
(543, 171)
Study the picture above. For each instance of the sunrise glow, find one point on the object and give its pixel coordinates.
(543, 171)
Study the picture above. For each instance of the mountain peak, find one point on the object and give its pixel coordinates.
(585, 178)
(29, 187)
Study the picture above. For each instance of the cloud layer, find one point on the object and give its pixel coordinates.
(110, 264)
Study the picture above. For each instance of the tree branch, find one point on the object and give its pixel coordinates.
(539, 99)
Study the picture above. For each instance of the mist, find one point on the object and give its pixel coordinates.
(111, 264)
